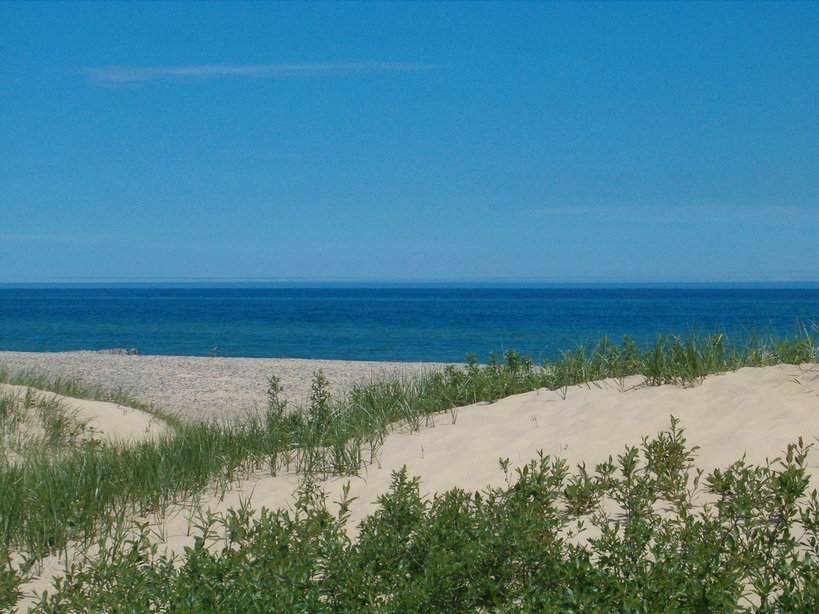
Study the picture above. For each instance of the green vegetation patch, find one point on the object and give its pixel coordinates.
(84, 493)
(33, 424)
(651, 547)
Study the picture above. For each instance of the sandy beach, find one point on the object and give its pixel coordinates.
(753, 413)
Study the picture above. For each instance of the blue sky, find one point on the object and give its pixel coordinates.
(409, 141)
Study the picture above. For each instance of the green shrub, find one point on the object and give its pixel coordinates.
(655, 547)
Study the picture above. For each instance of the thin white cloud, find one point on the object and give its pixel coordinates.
(729, 213)
(137, 74)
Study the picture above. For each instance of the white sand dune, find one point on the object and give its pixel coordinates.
(107, 422)
(754, 412)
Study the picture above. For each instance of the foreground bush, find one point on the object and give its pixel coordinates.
(645, 532)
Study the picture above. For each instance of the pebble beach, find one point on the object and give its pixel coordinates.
(205, 388)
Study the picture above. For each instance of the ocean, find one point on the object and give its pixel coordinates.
(397, 323)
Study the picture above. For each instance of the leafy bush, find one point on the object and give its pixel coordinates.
(661, 539)
(10, 581)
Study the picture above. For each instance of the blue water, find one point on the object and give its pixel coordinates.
(380, 323)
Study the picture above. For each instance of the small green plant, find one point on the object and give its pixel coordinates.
(10, 581)
(276, 403)
(582, 493)
(320, 397)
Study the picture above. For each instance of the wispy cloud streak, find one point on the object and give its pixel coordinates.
(137, 74)
(695, 213)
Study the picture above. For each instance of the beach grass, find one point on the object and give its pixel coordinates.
(78, 389)
(85, 493)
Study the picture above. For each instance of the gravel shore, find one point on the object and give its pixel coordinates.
(203, 388)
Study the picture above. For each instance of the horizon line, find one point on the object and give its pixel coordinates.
(442, 283)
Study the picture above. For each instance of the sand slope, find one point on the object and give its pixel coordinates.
(754, 412)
